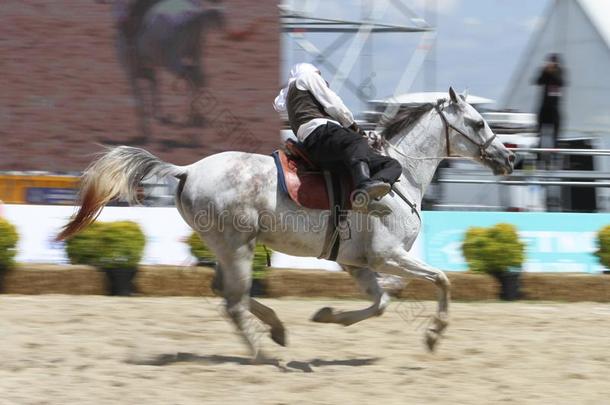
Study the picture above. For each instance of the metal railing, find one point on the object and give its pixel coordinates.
(587, 152)
(530, 177)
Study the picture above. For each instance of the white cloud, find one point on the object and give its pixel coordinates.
(471, 21)
(531, 23)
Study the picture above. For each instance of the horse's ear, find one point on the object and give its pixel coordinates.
(453, 95)
(464, 95)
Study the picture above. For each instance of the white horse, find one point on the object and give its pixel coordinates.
(232, 200)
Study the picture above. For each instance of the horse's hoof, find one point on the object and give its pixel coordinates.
(431, 340)
(324, 315)
(259, 358)
(278, 335)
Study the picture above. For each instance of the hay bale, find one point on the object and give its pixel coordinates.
(174, 281)
(318, 283)
(310, 283)
(54, 279)
(566, 287)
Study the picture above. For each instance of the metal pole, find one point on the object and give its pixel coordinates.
(590, 152)
(529, 183)
(351, 55)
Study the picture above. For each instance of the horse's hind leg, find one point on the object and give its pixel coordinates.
(367, 281)
(268, 316)
(261, 311)
(236, 282)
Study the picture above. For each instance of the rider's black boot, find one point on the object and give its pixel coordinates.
(366, 191)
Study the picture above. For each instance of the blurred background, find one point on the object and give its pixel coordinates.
(198, 77)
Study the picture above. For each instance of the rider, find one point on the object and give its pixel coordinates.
(327, 130)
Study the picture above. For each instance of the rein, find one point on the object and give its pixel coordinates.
(482, 146)
(448, 126)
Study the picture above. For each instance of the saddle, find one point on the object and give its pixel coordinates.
(306, 184)
(310, 187)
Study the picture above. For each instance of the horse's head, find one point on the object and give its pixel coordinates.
(470, 136)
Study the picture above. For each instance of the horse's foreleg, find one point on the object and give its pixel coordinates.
(157, 108)
(268, 316)
(194, 77)
(368, 283)
(403, 265)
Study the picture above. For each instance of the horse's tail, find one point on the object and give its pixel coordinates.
(117, 173)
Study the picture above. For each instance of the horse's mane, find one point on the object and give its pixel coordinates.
(405, 118)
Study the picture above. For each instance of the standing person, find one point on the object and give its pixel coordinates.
(327, 130)
(552, 80)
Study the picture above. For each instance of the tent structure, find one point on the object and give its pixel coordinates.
(579, 30)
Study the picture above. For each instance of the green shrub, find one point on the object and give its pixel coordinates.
(259, 264)
(493, 250)
(603, 244)
(199, 249)
(108, 245)
(8, 244)
(204, 255)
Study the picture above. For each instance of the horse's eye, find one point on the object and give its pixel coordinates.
(480, 124)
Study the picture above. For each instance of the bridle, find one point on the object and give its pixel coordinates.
(448, 126)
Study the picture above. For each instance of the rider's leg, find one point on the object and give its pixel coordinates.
(384, 168)
(331, 144)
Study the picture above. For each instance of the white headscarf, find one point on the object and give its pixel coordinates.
(299, 69)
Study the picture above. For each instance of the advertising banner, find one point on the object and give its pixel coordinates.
(556, 242)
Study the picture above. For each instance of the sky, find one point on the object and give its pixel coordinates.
(479, 44)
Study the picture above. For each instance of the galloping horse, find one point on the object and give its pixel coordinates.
(232, 200)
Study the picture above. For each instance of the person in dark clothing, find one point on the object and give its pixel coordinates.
(552, 80)
(327, 130)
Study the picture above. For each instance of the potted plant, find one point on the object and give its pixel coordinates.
(200, 251)
(8, 245)
(497, 251)
(113, 247)
(205, 257)
(260, 266)
(603, 245)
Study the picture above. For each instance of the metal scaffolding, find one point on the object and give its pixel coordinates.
(296, 23)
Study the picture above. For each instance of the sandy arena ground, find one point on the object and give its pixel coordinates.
(102, 350)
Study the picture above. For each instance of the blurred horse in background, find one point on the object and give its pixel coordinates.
(169, 37)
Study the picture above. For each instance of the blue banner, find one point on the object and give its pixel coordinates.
(556, 242)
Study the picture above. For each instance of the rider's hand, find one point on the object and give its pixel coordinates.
(354, 127)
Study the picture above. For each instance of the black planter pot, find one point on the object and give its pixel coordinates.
(120, 281)
(510, 285)
(258, 288)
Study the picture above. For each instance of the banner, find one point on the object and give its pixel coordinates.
(555, 242)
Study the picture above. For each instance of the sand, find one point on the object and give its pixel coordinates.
(101, 350)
